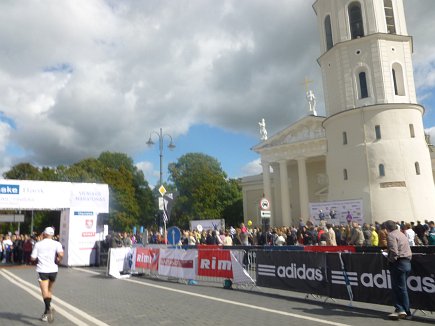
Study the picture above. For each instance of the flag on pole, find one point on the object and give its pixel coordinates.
(168, 200)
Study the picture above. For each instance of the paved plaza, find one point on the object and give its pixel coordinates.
(86, 296)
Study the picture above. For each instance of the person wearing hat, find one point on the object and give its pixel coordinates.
(48, 253)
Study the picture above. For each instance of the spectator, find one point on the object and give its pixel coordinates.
(431, 236)
(332, 241)
(357, 236)
(228, 241)
(410, 234)
(383, 234)
(367, 234)
(420, 230)
(126, 240)
(399, 257)
(27, 249)
(7, 248)
(374, 237)
(280, 240)
(1, 248)
(191, 239)
(292, 237)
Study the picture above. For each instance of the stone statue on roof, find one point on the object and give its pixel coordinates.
(263, 131)
(311, 98)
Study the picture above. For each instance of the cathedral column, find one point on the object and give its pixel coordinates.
(285, 194)
(303, 187)
(245, 206)
(267, 189)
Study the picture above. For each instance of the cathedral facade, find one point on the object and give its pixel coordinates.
(369, 154)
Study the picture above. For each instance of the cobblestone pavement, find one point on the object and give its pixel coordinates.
(86, 296)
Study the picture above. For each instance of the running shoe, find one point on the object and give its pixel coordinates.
(44, 317)
(50, 315)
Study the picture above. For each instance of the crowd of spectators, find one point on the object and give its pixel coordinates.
(16, 248)
(304, 234)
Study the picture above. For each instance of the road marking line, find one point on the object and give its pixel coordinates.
(279, 312)
(37, 294)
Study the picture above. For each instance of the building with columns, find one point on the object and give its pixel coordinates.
(369, 153)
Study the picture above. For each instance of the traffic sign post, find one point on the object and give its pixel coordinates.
(174, 235)
(264, 204)
(265, 213)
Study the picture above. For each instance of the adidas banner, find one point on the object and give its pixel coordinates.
(355, 277)
(293, 270)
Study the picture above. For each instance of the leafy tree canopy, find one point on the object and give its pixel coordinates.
(203, 189)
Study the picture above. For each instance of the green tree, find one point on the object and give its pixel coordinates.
(23, 171)
(142, 194)
(233, 212)
(203, 189)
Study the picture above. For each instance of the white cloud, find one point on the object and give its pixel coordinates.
(148, 170)
(79, 77)
(252, 168)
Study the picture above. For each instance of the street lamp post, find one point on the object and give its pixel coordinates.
(171, 146)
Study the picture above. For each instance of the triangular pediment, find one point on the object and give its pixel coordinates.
(306, 129)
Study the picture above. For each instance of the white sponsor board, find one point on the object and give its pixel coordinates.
(118, 258)
(178, 263)
(340, 208)
(25, 194)
(80, 204)
(208, 224)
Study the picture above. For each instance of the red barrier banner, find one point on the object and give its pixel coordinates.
(147, 258)
(215, 263)
(329, 248)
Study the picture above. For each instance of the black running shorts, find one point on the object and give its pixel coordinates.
(47, 276)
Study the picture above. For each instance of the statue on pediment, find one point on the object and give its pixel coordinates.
(311, 98)
(263, 131)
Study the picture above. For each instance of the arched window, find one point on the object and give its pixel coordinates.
(381, 170)
(328, 33)
(363, 91)
(389, 16)
(417, 168)
(355, 20)
(398, 82)
(345, 174)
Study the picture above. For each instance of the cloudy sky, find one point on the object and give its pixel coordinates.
(78, 77)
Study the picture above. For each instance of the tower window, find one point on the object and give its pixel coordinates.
(328, 33)
(378, 132)
(363, 85)
(344, 138)
(381, 170)
(389, 16)
(345, 174)
(355, 20)
(417, 168)
(411, 130)
(398, 82)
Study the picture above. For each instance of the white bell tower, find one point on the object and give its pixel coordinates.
(377, 150)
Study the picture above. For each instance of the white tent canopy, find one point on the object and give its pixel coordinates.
(79, 203)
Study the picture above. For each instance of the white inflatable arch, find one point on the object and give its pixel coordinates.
(79, 203)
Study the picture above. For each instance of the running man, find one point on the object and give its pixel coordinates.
(48, 254)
